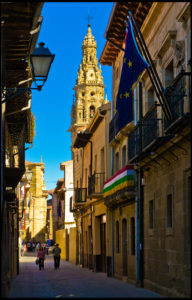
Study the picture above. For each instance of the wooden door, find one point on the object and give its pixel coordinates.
(124, 246)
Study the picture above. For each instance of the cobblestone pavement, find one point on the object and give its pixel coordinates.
(70, 281)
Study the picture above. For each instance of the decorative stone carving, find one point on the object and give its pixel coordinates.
(179, 53)
(89, 79)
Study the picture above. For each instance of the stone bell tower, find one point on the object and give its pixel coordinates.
(89, 88)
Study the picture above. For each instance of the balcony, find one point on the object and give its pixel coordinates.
(150, 127)
(14, 158)
(78, 199)
(178, 96)
(95, 184)
(152, 131)
(80, 195)
(145, 134)
(113, 129)
(120, 188)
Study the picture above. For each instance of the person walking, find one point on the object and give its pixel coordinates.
(56, 255)
(41, 256)
(29, 246)
(22, 250)
(33, 246)
(25, 248)
(38, 246)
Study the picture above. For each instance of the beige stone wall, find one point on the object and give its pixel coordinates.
(127, 213)
(168, 248)
(165, 247)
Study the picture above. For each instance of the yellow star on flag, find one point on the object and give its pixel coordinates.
(130, 63)
(121, 95)
(124, 60)
(126, 95)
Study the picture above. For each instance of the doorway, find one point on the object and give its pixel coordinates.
(103, 243)
(124, 246)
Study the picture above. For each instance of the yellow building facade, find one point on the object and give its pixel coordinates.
(88, 203)
(35, 203)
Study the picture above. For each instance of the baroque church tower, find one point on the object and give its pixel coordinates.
(89, 88)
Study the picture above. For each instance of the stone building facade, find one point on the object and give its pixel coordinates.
(88, 203)
(158, 147)
(58, 210)
(35, 212)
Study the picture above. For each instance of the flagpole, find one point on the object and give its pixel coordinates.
(150, 76)
(159, 89)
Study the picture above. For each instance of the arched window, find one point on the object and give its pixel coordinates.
(91, 111)
(117, 236)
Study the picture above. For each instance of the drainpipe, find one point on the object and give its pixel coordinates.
(137, 231)
(112, 244)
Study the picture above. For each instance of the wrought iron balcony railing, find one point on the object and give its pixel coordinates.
(150, 127)
(14, 152)
(144, 133)
(80, 195)
(178, 96)
(96, 183)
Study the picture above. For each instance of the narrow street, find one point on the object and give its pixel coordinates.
(70, 281)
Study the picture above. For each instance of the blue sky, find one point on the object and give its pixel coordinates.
(63, 30)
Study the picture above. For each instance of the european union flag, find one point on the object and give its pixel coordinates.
(133, 65)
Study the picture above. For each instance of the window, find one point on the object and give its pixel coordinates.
(95, 163)
(86, 177)
(169, 74)
(132, 236)
(117, 161)
(151, 214)
(71, 204)
(124, 156)
(117, 236)
(92, 111)
(102, 161)
(150, 97)
(169, 211)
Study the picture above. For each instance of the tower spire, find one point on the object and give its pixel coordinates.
(89, 18)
